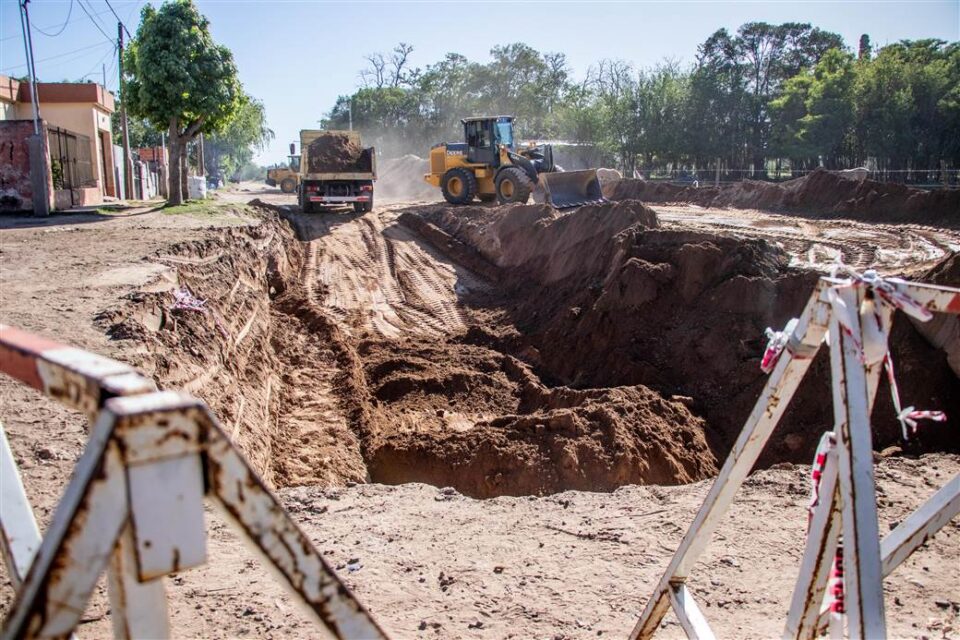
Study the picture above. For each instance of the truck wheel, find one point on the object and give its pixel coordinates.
(363, 207)
(458, 186)
(288, 185)
(513, 185)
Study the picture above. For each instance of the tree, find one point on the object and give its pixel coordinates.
(827, 125)
(142, 133)
(179, 79)
(226, 151)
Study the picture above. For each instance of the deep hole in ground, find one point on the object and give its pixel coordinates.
(499, 350)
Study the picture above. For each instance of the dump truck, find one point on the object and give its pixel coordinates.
(288, 177)
(489, 165)
(335, 169)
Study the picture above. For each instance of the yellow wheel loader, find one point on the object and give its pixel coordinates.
(489, 166)
(287, 178)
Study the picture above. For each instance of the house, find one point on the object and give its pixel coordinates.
(77, 125)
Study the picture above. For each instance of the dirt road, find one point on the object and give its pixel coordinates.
(348, 351)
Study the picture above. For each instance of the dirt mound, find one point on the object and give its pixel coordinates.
(470, 417)
(402, 178)
(337, 153)
(602, 297)
(539, 237)
(820, 193)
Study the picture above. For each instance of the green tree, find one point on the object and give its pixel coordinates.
(142, 133)
(906, 105)
(179, 79)
(828, 123)
(227, 150)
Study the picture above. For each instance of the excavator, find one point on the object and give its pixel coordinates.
(489, 166)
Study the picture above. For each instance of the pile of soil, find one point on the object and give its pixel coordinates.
(470, 417)
(821, 192)
(602, 296)
(402, 178)
(336, 152)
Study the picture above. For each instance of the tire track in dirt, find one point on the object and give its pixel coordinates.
(816, 243)
(373, 276)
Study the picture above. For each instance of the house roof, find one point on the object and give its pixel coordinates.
(12, 90)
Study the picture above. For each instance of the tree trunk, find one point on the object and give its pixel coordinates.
(174, 191)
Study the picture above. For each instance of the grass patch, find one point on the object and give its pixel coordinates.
(209, 209)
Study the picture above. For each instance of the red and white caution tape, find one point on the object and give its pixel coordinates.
(827, 441)
(776, 343)
(870, 331)
(908, 416)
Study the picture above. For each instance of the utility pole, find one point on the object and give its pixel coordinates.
(202, 170)
(39, 179)
(350, 113)
(127, 160)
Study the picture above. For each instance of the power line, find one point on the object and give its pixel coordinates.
(77, 19)
(65, 23)
(95, 23)
(118, 18)
(97, 66)
(60, 55)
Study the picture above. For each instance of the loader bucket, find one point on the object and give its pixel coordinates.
(564, 189)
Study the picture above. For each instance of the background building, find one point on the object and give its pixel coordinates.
(76, 120)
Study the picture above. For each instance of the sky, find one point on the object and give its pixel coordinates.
(297, 56)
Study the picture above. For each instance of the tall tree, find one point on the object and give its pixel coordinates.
(228, 150)
(180, 79)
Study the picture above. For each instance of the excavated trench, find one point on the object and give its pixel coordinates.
(501, 351)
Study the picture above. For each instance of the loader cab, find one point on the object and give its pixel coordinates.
(484, 137)
(294, 163)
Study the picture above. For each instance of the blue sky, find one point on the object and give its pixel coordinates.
(297, 56)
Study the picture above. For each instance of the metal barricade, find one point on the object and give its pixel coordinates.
(855, 310)
(134, 505)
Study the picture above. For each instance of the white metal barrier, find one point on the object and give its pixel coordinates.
(134, 505)
(855, 312)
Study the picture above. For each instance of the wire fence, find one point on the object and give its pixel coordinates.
(924, 179)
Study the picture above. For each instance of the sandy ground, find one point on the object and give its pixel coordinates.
(430, 563)
(814, 243)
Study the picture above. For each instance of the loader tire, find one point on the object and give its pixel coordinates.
(288, 185)
(459, 186)
(513, 185)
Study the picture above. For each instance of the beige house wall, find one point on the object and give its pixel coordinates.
(88, 120)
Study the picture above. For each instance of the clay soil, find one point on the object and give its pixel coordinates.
(337, 153)
(495, 422)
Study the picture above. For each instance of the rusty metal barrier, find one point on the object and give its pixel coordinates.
(855, 311)
(134, 505)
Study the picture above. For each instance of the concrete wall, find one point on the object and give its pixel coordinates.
(85, 119)
(16, 192)
(8, 110)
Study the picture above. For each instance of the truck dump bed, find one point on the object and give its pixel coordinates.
(336, 155)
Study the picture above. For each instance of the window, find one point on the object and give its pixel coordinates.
(505, 133)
